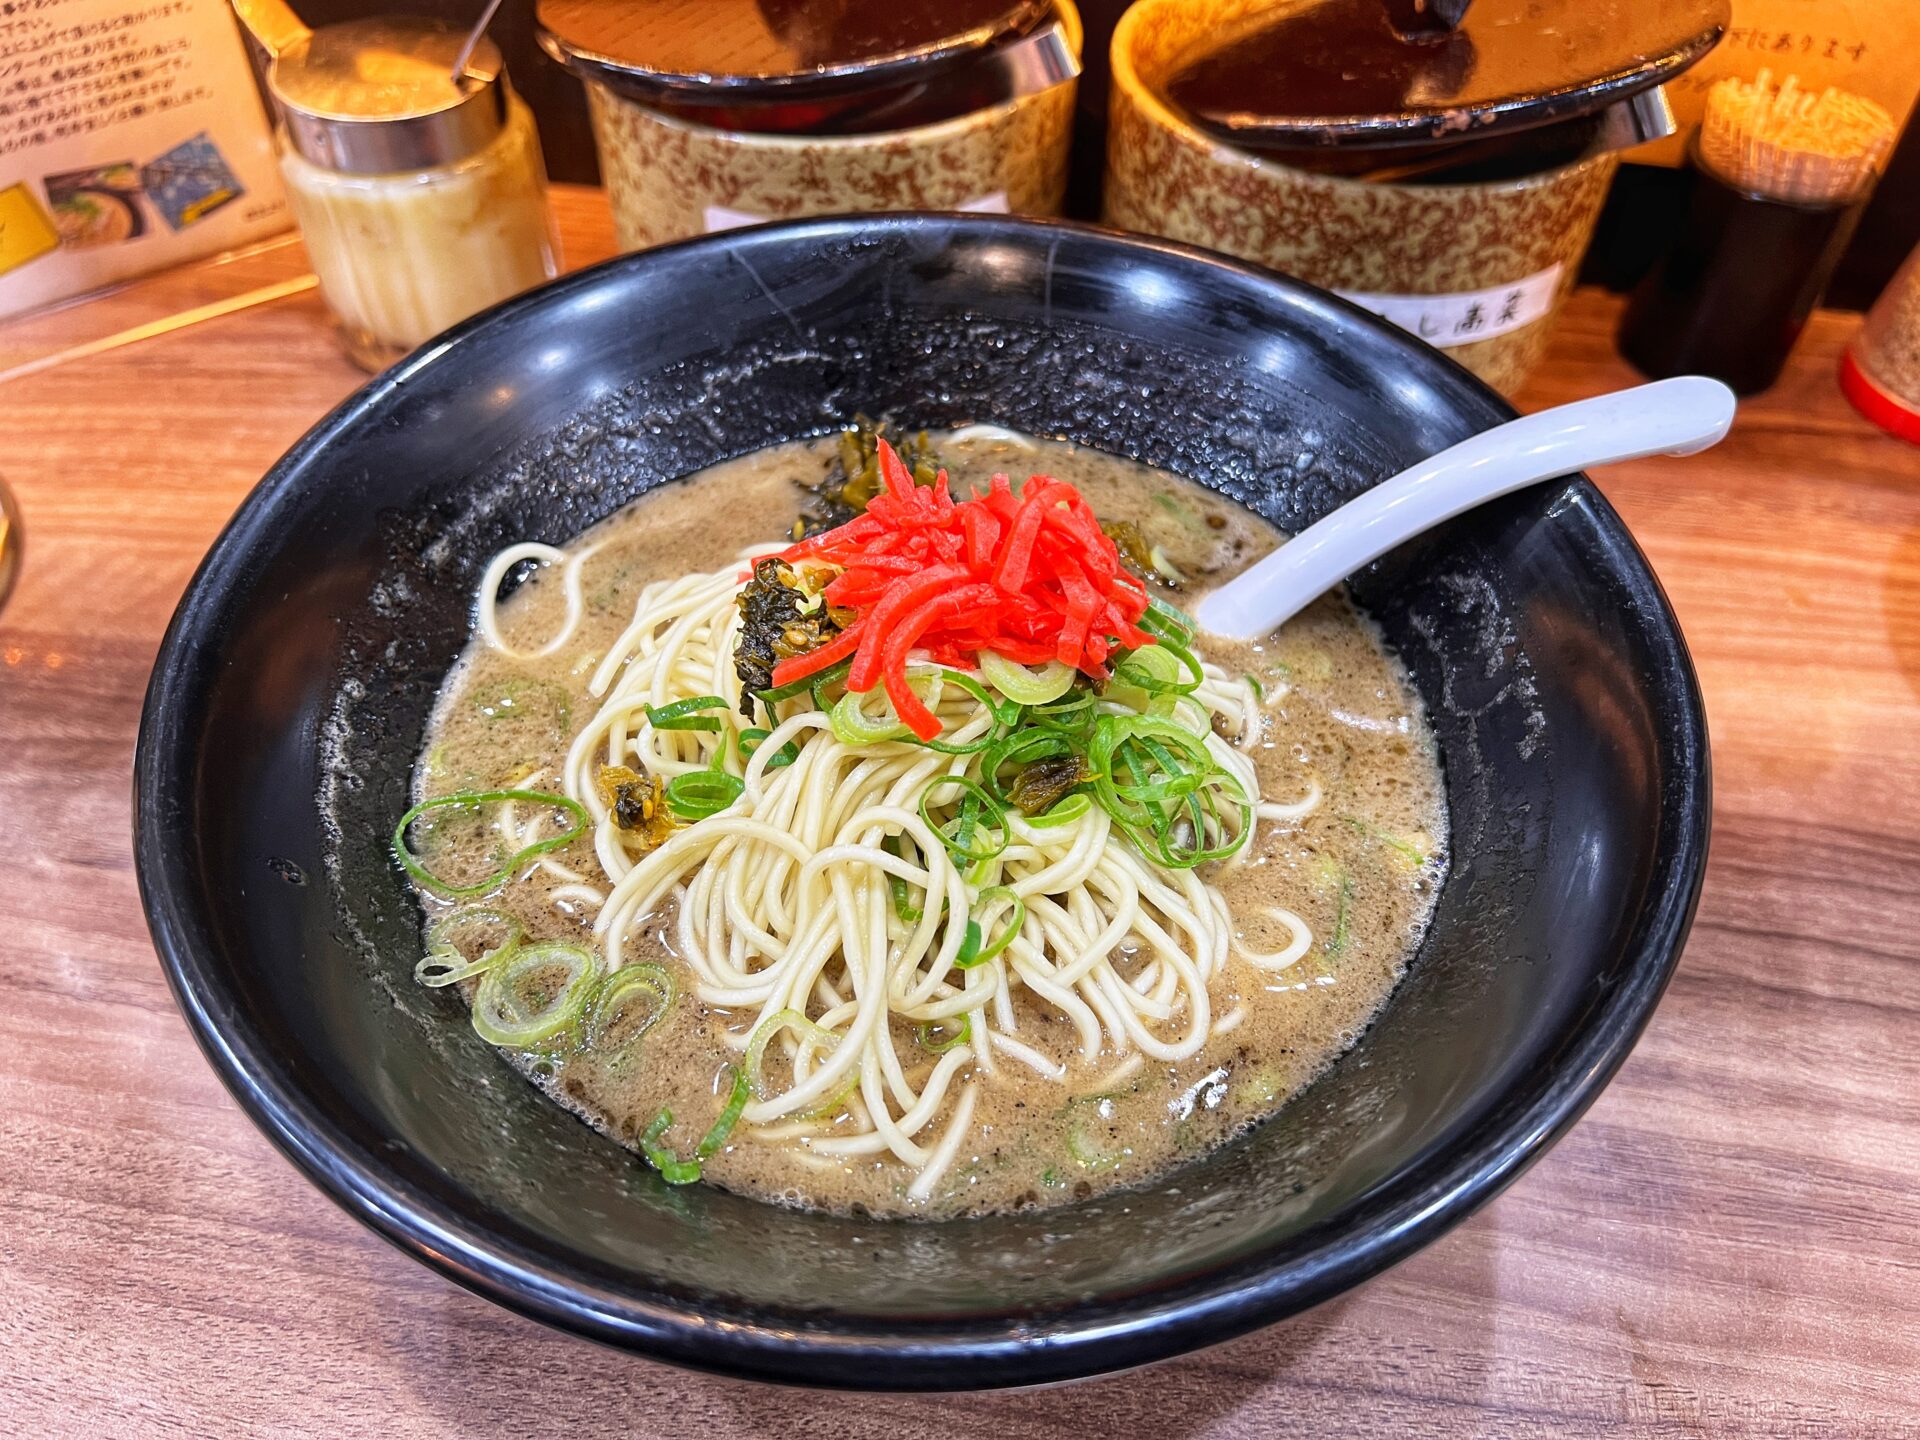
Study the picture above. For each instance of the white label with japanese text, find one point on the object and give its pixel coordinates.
(1464, 316)
(722, 217)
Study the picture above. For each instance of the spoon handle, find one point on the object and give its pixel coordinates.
(1668, 417)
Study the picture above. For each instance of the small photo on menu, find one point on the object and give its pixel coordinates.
(97, 206)
(190, 182)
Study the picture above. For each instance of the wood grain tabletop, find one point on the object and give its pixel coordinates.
(1728, 1243)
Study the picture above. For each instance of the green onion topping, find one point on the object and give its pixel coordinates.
(446, 964)
(930, 1038)
(978, 814)
(475, 800)
(701, 793)
(521, 1004)
(972, 950)
(747, 742)
(1025, 686)
(684, 714)
(672, 1168)
(610, 1029)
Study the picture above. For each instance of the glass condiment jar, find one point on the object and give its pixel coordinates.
(422, 199)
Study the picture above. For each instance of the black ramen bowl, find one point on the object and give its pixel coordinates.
(288, 702)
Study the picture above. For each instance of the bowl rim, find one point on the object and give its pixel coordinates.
(723, 1336)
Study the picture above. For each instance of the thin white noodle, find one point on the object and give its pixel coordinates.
(942, 1157)
(1296, 810)
(1300, 941)
(1117, 1076)
(813, 1162)
(1229, 1022)
(781, 901)
(1027, 1055)
(489, 603)
(578, 895)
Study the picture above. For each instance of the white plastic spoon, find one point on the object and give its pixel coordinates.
(1669, 417)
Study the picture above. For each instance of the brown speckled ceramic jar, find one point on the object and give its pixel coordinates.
(1478, 270)
(669, 178)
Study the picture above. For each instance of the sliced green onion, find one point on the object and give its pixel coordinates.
(973, 951)
(617, 991)
(819, 1036)
(672, 1168)
(1260, 1088)
(684, 714)
(780, 1020)
(514, 1009)
(737, 1094)
(1064, 812)
(853, 725)
(516, 691)
(1093, 1152)
(1072, 713)
(903, 905)
(836, 671)
(747, 742)
(968, 955)
(828, 686)
(976, 804)
(475, 800)
(1006, 712)
(1155, 777)
(1163, 845)
(701, 793)
(1332, 875)
(928, 1034)
(1181, 511)
(1165, 668)
(1023, 685)
(1164, 567)
(1006, 716)
(1259, 690)
(899, 889)
(1406, 849)
(1168, 622)
(1131, 775)
(446, 964)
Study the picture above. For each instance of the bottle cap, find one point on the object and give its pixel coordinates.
(378, 96)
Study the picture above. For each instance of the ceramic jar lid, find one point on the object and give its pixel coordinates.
(1347, 73)
(810, 66)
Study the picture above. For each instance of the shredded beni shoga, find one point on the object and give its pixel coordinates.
(1030, 578)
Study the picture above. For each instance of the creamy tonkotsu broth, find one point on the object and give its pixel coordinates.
(1351, 846)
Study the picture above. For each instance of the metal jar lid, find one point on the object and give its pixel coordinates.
(811, 65)
(379, 96)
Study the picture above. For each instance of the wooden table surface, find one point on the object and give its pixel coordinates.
(1728, 1244)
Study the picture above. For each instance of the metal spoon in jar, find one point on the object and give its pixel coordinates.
(1679, 416)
